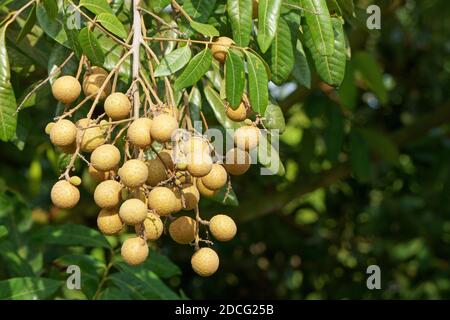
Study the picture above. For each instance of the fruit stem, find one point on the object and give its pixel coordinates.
(137, 39)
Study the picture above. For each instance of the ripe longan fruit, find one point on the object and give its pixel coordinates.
(93, 82)
(205, 262)
(133, 211)
(66, 89)
(108, 194)
(222, 227)
(204, 191)
(64, 195)
(63, 133)
(182, 230)
(134, 251)
(139, 132)
(247, 137)
(199, 164)
(117, 106)
(109, 222)
(163, 127)
(195, 144)
(97, 175)
(216, 178)
(237, 161)
(105, 157)
(191, 197)
(238, 115)
(152, 226)
(220, 48)
(157, 168)
(90, 138)
(163, 200)
(133, 173)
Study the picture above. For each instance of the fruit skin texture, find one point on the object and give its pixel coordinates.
(92, 83)
(205, 262)
(157, 168)
(106, 157)
(153, 227)
(66, 89)
(133, 173)
(204, 191)
(195, 144)
(64, 195)
(90, 138)
(247, 137)
(63, 133)
(163, 201)
(238, 115)
(117, 106)
(182, 230)
(134, 251)
(191, 197)
(133, 211)
(109, 222)
(139, 132)
(216, 178)
(163, 127)
(222, 227)
(97, 175)
(220, 48)
(237, 161)
(199, 164)
(107, 194)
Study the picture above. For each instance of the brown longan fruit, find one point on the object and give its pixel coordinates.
(191, 197)
(204, 191)
(247, 137)
(63, 133)
(90, 138)
(134, 251)
(109, 222)
(220, 48)
(195, 144)
(237, 161)
(93, 82)
(97, 175)
(139, 132)
(238, 115)
(108, 194)
(163, 126)
(157, 168)
(222, 227)
(117, 106)
(105, 157)
(133, 173)
(64, 195)
(205, 262)
(152, 226)
(133, 211)
(163, 200)
(66, 89)
(182, 230)
(199, 164)
(216, 178)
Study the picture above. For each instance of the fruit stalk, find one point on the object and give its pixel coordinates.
(137, 39)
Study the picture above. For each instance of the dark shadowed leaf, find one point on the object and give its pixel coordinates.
(28, 288)
(359, 156)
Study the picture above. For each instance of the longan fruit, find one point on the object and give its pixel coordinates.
(220, 48)
(48, 127)
(108, 194)
(117, 106)
(93, 82)
(205, 262)
(153, 227)
(163, 200)
(157, 168)
(216, 178)
(191, 197)
(199, 164)
(133, 211)
(247, 137)
(195, 144)
(134, 251)
(64, 195)
(133, 173)
(75, 181)
(182, 230)
(139, 132)
(66, 89)
(237, 161)
(90, 138)
(109, 222)
(204, 191)
(97, 175)
(63, 133)
(222, 227)
(163, 127)
(105, 157)
(238, 115)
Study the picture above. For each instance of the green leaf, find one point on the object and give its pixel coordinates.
(173, 62)
(301, 72)
(196, 68)
(96, 6)
(199, 10)
(161, 266)
(347, 6)
(53, 27)
(372, 74)
(234, 78)
(8, 116)
(348, 93)
(14, 263)
(159, 5)
(195, 104)
(380, 144)
(29, 23)
(114, 293)
(281, 53)
(240, 14)
(268, 156)
(111, 23)
(205, 29)
(28, 288)
(268, 15)
(91, 47)
(319, 24)
(51, 7)
(3, 232)
(71, 235)
(226, 197)
(359, 156)
(258, 83)
(334, 131)
(219, 108)
(274, 118)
